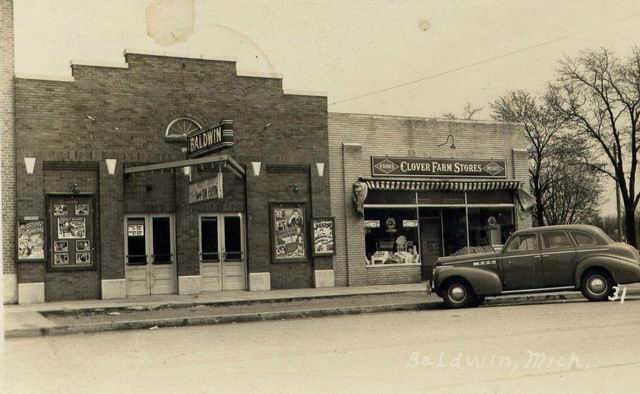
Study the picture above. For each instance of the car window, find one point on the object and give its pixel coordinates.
(555, 240)
(524, 242)
(583, 239)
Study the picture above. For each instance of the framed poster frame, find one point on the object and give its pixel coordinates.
(291, 206)
(43, 225)
(92, 229)
(330, 219)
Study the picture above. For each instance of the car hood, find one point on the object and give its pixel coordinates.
(450, 260)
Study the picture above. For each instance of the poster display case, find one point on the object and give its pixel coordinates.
(288, 232)
(71, 231)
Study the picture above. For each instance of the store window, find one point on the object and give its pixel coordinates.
(391, 236)
(490, 226)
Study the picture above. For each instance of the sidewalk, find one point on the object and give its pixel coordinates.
(152, 312)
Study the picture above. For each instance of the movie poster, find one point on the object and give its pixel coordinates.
(323, 238)
(71, 228)
(31, 240)
(289, 232)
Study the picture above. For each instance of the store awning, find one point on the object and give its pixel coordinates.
(439, 185)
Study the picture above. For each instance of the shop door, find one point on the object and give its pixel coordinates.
(222, 257)
(430, 244)
(150, 254)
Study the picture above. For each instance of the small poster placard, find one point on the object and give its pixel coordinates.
(30, 240)
(323, 236)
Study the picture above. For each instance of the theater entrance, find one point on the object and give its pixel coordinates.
(222, 252)
(150, 254)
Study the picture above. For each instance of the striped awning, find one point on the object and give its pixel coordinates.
(440, 185)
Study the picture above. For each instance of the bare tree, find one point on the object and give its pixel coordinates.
(598, 95)
(573, 191)
(468, 112)
(542, 128)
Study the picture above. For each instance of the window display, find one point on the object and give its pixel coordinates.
(490, 226)
(394, 237)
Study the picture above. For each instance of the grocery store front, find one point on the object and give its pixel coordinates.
(410, 190)
(413, 222)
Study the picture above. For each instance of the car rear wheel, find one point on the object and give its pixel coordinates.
(596, 285)
(458, 294)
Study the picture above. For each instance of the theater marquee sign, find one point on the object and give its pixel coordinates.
(210, 139)
(414, 167)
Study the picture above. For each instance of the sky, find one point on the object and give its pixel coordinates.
(393, 57)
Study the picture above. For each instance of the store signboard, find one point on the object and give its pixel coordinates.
(205, 190)
(210, 139)
(414, 167)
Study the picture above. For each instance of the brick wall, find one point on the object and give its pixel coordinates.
(122, 113)
(354, 138)
(7, 145)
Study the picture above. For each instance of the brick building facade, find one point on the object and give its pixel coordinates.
(409, 218)
(7, 154)
(101, 163)
(108, 170)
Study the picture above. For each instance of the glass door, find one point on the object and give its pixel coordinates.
(222, 257)
(150, 266)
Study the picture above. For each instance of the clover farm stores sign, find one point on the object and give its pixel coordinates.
(210, 139)
(422, 167)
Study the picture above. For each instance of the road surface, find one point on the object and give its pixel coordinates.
(559, 347)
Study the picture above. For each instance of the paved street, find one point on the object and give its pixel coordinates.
(561, 347)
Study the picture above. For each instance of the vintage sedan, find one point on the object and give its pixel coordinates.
(552, 258)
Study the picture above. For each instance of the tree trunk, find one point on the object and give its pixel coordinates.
(539, 210)
(630, 224)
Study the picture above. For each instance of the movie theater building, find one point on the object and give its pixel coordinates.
(168, 175)
(405, 191)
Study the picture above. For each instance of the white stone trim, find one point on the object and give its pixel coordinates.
(296, 92)
(184, 55)
(259, 281)
(31, 293)
(97, 63)
(521, 150)
(189, 284)
(324, 278)
(398, 117)
(258, 74)
(10, 288)
(352, 144)
(45, 77)
(113, 288)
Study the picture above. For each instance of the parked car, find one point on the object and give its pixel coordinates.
(552, 258)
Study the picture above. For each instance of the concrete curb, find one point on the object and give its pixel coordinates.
(214, 320)
(189, 304)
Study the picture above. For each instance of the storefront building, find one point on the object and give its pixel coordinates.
(168, 175)
(405, 191)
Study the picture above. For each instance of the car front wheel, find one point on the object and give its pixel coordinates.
(597, 285)
(458, 294)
